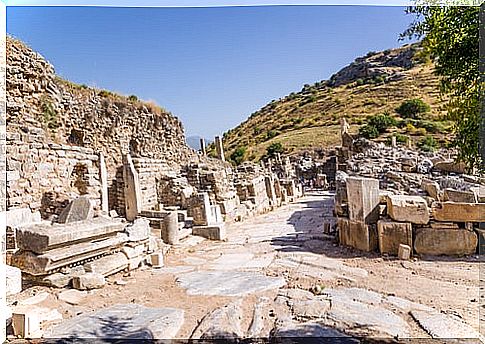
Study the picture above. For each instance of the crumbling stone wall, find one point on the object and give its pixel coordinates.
(45, 176)
(44, 111)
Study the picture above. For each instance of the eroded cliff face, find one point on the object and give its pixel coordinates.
(56, 130)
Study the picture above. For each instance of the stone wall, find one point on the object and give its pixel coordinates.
(45, 176)
(48, 117)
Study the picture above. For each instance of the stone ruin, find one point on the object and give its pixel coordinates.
(97, 184)
(401, 202)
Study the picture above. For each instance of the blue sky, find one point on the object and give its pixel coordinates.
(211, 67)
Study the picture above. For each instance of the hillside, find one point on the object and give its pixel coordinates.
(374, 84)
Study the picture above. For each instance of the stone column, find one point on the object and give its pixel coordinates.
(103, 177)
(393, 141)
(363, 199)
(219, 148)
(133, 201)
(170, 230)
(202, 146)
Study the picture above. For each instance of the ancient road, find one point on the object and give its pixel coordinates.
(279, 275)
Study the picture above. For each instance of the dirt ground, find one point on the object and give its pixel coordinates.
(449, 285)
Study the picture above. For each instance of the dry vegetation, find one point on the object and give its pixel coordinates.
(310, 118)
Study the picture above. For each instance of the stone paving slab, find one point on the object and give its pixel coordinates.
(227, 283)
(125, 321)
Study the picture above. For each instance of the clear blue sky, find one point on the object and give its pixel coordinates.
(211, 67)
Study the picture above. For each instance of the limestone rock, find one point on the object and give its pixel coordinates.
(363, 199)
(459, 196)
(224, 322)
(13, 280)
(72, 296)
(459, 212)
(412, 209)
(457, 242)
(90, 280)
(127, 322)
(392, 235)
(357, 234)
(79, 209)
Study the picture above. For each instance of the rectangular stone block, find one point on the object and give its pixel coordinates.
(214, 232)
(108, 265)
(88, 281)
(459, 196)
(41, 237)
(459, 212)
(156, 260)
(363, 199)
(404, 252)
(26, 324)
(452, 242)
(392, 235)
(404, 208)
(357, 234)
(80, 209)
(21, 217)
(13, 277)
(139, 230)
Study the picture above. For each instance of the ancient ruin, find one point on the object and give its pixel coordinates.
(117, 229)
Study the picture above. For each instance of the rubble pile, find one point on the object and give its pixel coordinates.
(397, 200)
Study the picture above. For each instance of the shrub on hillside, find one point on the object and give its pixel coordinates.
(270, 134)
(132, 98)
(381, 122)
(238, 155)
(413, 108)
(368, 131)
(427, 144)
(274, 148)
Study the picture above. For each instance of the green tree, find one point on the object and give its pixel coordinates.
(369, 131)
(382, 122)
(238, 155)
(451, 38)
(413, 108)
(274, 148)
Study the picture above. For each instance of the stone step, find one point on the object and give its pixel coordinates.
(42, 264)
(42, 237)
(155, 214)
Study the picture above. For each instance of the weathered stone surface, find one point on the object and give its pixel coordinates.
(357, 314)
(457, 242)
(80, 209)
(132, 191)
(26, 324)
(36, 299)
(312, 330)
(13, 278)
(308, 309)
(127, 322)
(103, 179)
(139, 230)
(59, 257)
(450, 166)
(108, 265)
(57, 280)
(393, 234)
(459, 196)
(440, 325)
(404, 252)
(41, 237)
(357, 235)
(432, 188)
(459, 212)
(213, 232)
(412, 209)
(72, 296)
(363, 199)
(223, 322)
(21, 217)
(90, 280)
(156, 260)
(227, 283)
(170, 229)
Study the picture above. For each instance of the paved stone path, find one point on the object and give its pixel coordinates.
(272, 261)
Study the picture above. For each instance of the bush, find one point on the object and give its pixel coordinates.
(400, 138)
(379, 79)
(132, 98)
(238, 155)
(274, 148)
(369, 131)
(359, 82)
(49, 114)
(431, 127)
(381, 122)
(104, 93)
(270, 134)
(427, 144)
(411, 129)
(421, 131)
(413, 108)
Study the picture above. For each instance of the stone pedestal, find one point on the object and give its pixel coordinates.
(219, 148)
(132, 191)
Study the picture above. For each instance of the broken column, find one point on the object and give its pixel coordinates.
(132, 189)
(103, 177)
(219, 148)
(170, 228)
(202, 146)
